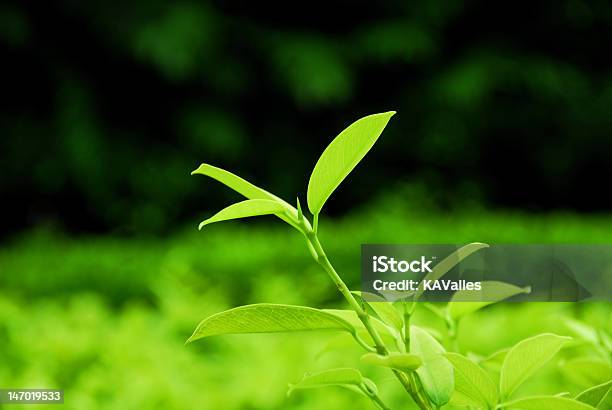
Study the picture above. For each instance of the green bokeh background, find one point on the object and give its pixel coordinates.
(502, 135)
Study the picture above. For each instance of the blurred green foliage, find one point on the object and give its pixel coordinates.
(106, 318)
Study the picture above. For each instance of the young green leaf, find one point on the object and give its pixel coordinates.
(404, 362)
(525, 358)
(269, 318)
(546, 403)
(599, 396)
(343, 377)
(233, 181)
(245, 188)
(605, 402)
(436, 372)
(244, 209)
(448, 263)
(465, 302)
(473, 386)
(342, 155)
(383, 309)
(494, 361)
(587, 371)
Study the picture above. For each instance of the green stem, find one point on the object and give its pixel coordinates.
(381, 349)
(375, 398)
(420, 393)
(451, 326)
(407, 316)
(356, 306)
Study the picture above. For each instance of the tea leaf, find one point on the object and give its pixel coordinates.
(526, 357)
(606, 401)
(448, 263)
(494, 361)
(436, 372)
(268, 318)
(344, 377)
(473, 386)
(244, 209)
(465, 302)
(342, 155)
(383, 309)
(598, 396)
(546, 403)
(400, 361)
(233, 181)
(244, 188)
(586, 371)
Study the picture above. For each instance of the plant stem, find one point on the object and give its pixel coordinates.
(407, 316)
(420, 393)
(356, 306)
(381, 349)
(373, 395)
(378, 402)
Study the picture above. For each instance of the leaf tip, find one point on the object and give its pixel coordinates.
(198, 170)
(202, 225)
(193, 337)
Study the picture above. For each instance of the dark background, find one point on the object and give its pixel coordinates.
(107, 107)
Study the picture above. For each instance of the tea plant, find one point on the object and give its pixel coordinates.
(432, 375)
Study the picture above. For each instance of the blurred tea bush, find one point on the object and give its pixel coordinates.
(106, 318)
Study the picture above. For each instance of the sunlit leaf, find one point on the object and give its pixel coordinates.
(494, 361)
(465, 302)
(269, 318)
(342, 155)
(587, 371)
(473, 386)
(436, 372)
(599, 396)
(234, 182)
(546, 403)
(343, 377)
(244, 188)
(245, 209)
(525, 358)
(400, 361)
